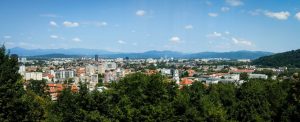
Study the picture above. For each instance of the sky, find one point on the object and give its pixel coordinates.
(143, 25)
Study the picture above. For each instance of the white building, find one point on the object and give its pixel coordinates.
(258, 76)
(119, 60)
(165, 71)
(22, 70)
(90, 70)
(212, 80)
(120, 73)
(22, 60)
(244, 60)
(100, 69)
(176, 76)
(64, 74)
(109, 76)
(33, 75)
(151, 60)
(235, 77)
(110, 65)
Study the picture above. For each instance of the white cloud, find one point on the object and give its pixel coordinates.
(188, 27)
(214, 35)
(101, 24)
(52, 23)
(227, 32)
(95, 23)
(234, 2)
(225, 9)
(6, 37)
(283, 15)
(241, 42)
(298, 16)
(140, 12)
(121, 42)
(76, 39)
(70, 24)
(134, 44)
(175, 39)
(53, 36)
(213, 14)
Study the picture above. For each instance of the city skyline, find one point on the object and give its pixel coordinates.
(143, 25)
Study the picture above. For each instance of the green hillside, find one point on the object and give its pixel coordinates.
(289, 59)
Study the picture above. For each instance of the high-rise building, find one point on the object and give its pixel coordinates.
(96, 58)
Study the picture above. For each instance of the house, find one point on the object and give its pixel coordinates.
(54, 90)
(186, 82)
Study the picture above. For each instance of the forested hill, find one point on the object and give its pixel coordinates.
(289, 59)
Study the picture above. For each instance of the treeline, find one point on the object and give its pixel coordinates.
(289, 59)
(140, 97)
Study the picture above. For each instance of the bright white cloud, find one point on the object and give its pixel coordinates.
(225, 9)
(76, 39)
(213, 14)
(175, 39)
(140, 12)
(298, 16)
(283, 15)
(241, 42)
(70, 24)
(214, 35)
(234, 2)
(121, 42)
(188, 27)
(53, 36)
(52, 23)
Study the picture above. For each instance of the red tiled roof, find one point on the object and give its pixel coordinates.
(59, 87)
(243, 71)
(186, 81)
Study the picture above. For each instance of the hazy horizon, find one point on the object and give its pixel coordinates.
(144, 25)
(140, 51)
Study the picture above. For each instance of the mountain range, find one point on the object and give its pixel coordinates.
(80, 52)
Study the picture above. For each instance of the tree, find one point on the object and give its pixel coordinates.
(244, 76)
(39, 87)
(253, 105)
(15, 103)
(292, 112)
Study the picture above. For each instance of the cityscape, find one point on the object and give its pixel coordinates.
(142, 60)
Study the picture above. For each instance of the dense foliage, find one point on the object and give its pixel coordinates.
(140, 97)
(289, 59)
(16, 104)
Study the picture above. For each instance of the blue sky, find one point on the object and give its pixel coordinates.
(142, 25)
